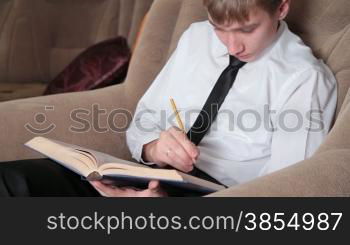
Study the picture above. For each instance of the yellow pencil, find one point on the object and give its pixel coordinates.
(178, 118)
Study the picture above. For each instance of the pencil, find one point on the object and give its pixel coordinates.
(178, 118)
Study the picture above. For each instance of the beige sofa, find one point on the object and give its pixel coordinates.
(324, 24)
(38, 38)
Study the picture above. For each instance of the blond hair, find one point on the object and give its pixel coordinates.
(229, 11)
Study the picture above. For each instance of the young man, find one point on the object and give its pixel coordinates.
(276, 113)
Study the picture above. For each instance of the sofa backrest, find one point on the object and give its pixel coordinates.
(323, 24)
(40, 37)
(4, 9)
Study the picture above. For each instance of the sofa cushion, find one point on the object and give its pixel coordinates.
(39, 38)
(101, 65)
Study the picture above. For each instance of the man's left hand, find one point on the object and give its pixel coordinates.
(109, 190)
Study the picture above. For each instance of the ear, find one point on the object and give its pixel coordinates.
(284, 9)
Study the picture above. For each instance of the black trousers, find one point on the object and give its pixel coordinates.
(41, 178)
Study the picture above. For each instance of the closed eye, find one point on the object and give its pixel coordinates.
(219, 29)
(248, 30)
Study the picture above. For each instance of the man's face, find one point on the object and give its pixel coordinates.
(247, 40)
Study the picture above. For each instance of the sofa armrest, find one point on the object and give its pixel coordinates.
(339, 136)
(93, 119)
(326, 174)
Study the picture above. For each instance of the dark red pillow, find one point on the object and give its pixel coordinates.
(101, 65)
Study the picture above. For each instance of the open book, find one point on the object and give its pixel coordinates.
(94, 165)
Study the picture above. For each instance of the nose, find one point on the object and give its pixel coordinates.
(234, 45)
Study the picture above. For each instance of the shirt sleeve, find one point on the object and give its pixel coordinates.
(304, 116)
(149, 120)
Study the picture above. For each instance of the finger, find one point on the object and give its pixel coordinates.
(130, 188)
(173, 153)
(107, 181)
(108, 189)
(94, 185)
(153, 185)
(97, 188)
(190, 148)
(178, 163)
(148, 193)
(180, 151)
(154, 190)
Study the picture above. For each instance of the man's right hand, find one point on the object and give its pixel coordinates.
(172, 148)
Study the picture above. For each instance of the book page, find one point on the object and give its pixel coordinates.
(149, 173)
(104, 158)
(61, 154)
(98, 158)
(93, 158)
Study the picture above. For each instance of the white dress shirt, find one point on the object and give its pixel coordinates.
(245, 141)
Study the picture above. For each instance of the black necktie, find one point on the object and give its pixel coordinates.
(217, 96)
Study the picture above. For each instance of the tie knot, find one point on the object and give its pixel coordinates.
(236, 63)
